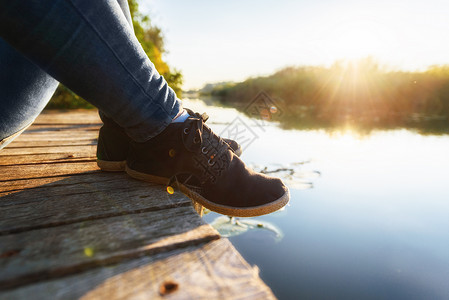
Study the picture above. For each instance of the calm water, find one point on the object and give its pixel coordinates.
(368, 216)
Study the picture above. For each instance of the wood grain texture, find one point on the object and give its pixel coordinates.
(81, 116)
(88, 148)
(61, 250)
(58, 135)
(212, 270)
(46, 158)
(68, 201)
(57, 143)
(8, 187)
(70, 231)
(35, 171)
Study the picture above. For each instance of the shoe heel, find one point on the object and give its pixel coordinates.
(111, 166)
(146, 177)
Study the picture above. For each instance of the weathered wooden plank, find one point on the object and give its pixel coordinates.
(58, 136)
(24, 143)
(54, 140)
(65, 135)
(70, 184)
(58, 129)
(10, 173)
(62, 221)
(68, 117)
(41, 134)
(89, 147)
(57, 251)
(208, 271)
(7, 187)
(65, 202)
(50, 158)
(36, 127)
(42, 137)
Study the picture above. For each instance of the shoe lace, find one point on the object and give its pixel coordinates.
(213, 155)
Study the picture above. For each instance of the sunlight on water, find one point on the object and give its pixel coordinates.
(217, 114)
(368, 215)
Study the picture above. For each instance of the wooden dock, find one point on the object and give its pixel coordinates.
(70, 231)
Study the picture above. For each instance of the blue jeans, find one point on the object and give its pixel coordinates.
(90, 47)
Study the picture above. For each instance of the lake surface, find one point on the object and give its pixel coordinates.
(368, 216)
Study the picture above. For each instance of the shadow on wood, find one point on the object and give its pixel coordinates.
(68, 230)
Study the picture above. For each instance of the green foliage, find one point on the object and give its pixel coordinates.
(359, 94)
(152, 41)
(64, 98)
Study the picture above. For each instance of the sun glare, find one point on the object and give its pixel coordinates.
(354, 43)
(356, 37)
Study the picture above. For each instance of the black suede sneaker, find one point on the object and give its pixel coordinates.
(204, 168)
(112, 147)
(113, 144)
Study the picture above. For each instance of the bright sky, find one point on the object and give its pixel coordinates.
(212, 41)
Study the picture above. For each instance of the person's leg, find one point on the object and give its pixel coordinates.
(24, 91)
(126, 12)
(90, 47)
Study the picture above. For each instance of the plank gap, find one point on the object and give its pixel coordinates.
(94, 217)
(52, 162)
(53, 176)
(36, 277)
(51, 146)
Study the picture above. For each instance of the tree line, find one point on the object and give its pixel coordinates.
(361, 94)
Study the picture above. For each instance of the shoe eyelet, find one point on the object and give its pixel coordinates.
(211, 163)
(203, 150)
(196, 140)
(186, 130)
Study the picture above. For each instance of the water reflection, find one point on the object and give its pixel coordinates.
(362, 121)
(374, 225)
(363, 125)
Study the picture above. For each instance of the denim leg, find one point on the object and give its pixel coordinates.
(24, 91)
(89, 47)
(125, 10)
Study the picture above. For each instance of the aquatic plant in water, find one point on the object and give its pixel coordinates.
(290, 173)
(231, 226)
